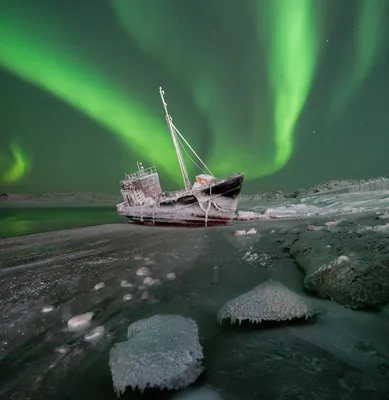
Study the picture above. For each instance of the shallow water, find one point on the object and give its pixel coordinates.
(342, 354)
(23, 221)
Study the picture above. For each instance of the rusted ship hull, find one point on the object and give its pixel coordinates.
(209, 206)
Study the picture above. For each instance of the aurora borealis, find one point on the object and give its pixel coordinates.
(290, 92)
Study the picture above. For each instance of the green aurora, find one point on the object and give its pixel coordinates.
(369, 42)
(35, 59)
(290, 81)
(19, 167)
(247, 70)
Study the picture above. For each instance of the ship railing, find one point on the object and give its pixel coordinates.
(142, 172)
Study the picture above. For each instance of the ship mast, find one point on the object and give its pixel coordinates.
(181, 162)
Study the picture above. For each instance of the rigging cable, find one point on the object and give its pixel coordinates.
(190, 158)
(190, 147)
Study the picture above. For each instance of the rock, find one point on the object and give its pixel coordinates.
(160, 352)
(269, 301)
(351, 268)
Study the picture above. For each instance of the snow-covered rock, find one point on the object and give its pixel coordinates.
(349, 267)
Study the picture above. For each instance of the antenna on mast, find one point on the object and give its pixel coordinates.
(172, 130)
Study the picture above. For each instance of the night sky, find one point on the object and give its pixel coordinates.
(289, 92)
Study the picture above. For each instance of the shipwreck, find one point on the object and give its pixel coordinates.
(208, 201)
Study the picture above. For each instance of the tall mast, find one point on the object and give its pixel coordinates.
(181, 162)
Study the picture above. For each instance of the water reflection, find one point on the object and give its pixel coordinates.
(22, 221)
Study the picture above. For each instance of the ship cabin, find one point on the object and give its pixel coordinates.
(141, 187)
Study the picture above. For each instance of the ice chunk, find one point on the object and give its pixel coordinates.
(160, 352)
(95, 334)
(80, 322)
(247, 215)
(148, 281)
(99, 286)
(243, 232)
(143, 271)
(171, 276)
(269, 301)
(240, 232)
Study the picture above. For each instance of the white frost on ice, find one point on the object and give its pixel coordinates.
(125, 283)
(47, 309)
(127, 297)
(269, 301)
(160, 352)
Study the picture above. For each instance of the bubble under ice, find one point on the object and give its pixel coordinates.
(160, 352)
(269, 301)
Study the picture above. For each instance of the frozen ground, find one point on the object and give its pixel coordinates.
(321, 205)
(48, 278)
